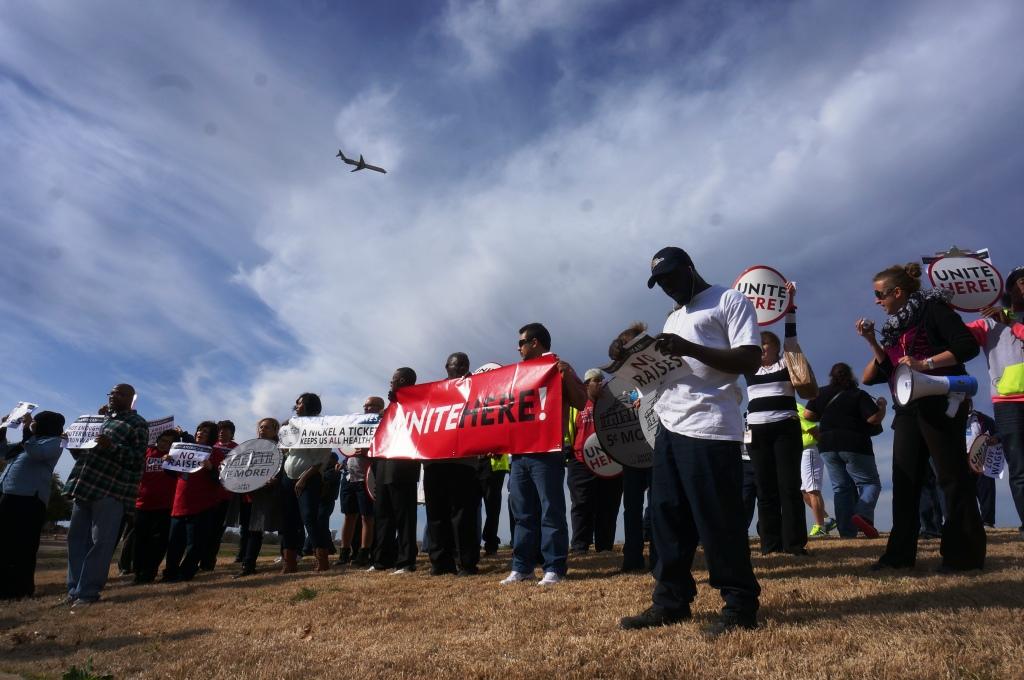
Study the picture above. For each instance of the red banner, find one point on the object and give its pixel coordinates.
(513, 409)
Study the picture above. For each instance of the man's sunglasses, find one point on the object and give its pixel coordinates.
(525, 341)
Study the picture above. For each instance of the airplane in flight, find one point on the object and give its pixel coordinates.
(360, 164)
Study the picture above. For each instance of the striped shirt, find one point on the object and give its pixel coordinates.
(770, 392)
(114, 472)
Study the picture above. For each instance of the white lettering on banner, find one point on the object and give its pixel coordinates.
(186, 457)
(975, 283)
(345, 433)
(18, 412)
(83, 432)
(766, 290)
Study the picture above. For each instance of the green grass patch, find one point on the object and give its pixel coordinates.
(303, 595)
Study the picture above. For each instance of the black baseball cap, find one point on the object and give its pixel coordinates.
(667, 260)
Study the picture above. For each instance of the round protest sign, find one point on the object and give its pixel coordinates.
(975, 283)
(976, 453)
(766, 290)
(371, 483)
(599, 462)
(250, 465)
(619, 430)
(490, 366)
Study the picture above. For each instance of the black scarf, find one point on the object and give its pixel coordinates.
(909, 315)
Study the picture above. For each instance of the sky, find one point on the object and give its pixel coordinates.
(173, 215)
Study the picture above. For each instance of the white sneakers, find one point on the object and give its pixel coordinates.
(550, 578)
(515, 577)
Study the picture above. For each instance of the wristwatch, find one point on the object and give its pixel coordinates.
(930, 363)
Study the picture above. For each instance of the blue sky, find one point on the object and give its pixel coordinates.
(173, 215)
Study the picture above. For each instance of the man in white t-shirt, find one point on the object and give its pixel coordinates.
(697, 479)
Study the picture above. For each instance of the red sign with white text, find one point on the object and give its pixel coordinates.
(512, 409)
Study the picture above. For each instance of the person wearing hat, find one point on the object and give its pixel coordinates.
(26, 491)
(594, 500)
(1000, 334)
(697, 477)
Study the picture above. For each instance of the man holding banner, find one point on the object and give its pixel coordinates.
(104, 480)
(697, 476)
(536, 481)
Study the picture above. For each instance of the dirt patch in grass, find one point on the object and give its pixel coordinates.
(823, 616)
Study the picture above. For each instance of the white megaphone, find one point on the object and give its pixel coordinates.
(910, 385)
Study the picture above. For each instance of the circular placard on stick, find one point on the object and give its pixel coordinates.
(250, 465)
(490, 366)
(599, 462)
(766, 289)
(975, 283)
(619, 428)
(976, 453)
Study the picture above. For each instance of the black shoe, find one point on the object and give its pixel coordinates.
(362, 558)
(442, 571)
(468, 571)
(799, 552)
(170, 579)
(653, 617)
(490, 552)
(345, 557)
(246, 571)
(578, 550)
(729, 622)
(238, 559)
(633, 568)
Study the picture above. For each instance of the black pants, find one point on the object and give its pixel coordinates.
(188, 542)
(126, 558)
(453, 496)
(1009, 416)
(986, 491)
(932, 507)
(21, 523)
(152, 528)
(750, 492)
(491, 489)
(244, 513)
(776, 451)
(696, 496)
(394, 526)
(636, 523)
(253, 545)
(920, 431)
(215, 536)
(595, 507)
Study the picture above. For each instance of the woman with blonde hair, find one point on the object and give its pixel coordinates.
(923, 332)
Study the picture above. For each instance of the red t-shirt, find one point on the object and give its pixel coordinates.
(156, 488)
(584, 428)
(199, 490)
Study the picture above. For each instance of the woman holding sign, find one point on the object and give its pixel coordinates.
(301, 486)
(264, 508)
(194, 512)
(923, 332)
(777, 444)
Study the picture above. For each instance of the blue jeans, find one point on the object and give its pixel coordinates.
(697, 496)
(1009, 418)
(92, 538)
(855, 487)
(537, 496)
(303, 511)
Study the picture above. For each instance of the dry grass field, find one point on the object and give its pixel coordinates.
(824, 616)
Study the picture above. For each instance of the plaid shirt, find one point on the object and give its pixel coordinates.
(113, 472)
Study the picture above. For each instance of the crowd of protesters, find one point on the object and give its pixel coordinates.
(700, 490)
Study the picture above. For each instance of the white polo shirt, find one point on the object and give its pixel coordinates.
(705, 404)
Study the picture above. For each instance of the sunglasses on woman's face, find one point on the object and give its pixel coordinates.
(882, 294)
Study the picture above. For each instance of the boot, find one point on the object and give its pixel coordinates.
(290, 563)
(322, 561)
(362, 558)
(344, 557)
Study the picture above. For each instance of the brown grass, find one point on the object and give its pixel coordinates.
(822, 617)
